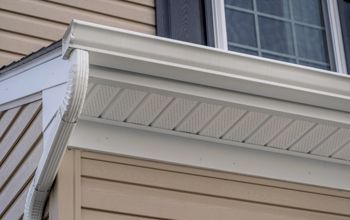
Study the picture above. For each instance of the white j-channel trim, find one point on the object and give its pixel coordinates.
(133, 142)
(19, 102)
(155, 56)
(220, 33)
(60, 123)
(337, 39)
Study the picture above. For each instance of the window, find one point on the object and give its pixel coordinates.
(312, 33)
(295, 31)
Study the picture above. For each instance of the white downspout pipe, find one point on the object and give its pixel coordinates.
(57, 133)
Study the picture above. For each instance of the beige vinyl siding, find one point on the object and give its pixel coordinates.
(20, 151)
(28, 25)
(114, 187)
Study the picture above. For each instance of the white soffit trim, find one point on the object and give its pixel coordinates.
(124, 79)
(185, 150)
(166, 58)
(170, 106)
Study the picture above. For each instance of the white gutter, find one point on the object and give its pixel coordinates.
(67, 100)
(166, 58)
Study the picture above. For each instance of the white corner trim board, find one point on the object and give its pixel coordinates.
(61, 120)
(186, 62)
(141, 142)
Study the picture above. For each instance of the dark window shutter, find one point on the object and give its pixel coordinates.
(186, 20)
(344, 13)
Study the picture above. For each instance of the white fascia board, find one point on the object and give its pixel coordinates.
(31, 64)
(30, 79)
(183, 149)
(166, 58)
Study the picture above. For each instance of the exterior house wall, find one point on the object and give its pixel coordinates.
(26, 26)
(99, 186)
(20, 151)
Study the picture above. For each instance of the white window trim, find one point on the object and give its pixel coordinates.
(337, 37)
(220, 34)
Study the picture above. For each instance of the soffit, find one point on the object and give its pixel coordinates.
(231, 122)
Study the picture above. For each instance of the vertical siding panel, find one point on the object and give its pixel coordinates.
(65, 194)
(77, 185)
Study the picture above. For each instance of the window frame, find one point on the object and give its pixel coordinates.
(220, 33)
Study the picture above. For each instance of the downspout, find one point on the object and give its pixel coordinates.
(57, 133)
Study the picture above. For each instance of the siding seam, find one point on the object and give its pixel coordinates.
(215, 177)
(10, 125)
(216, 196)
(99, 13)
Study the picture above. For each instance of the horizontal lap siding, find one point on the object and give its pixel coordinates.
(121, 188)
(20, 151)
(88, 214)
(28, 25)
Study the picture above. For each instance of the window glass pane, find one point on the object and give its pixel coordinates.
(247, 4)
(243, 50)
(274, 7)
(276, 35)
(287, 30)
(307, 11)
(311, 43)
(319, 66)
(244, 22)
(276, 57)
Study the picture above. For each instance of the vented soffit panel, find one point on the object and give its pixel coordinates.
(175, 87)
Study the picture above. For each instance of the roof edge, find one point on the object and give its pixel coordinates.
(30, 57)
(186, 62)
